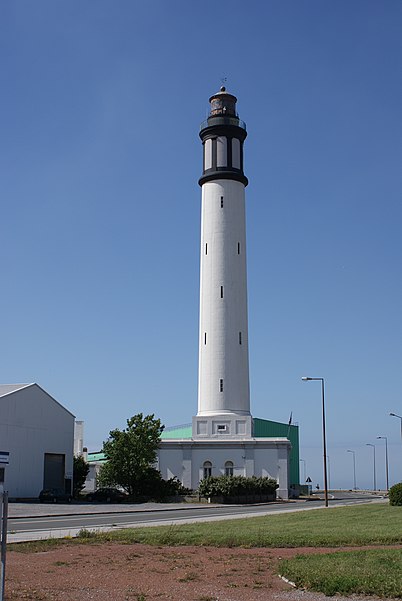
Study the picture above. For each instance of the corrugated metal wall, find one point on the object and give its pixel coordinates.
(264, 428)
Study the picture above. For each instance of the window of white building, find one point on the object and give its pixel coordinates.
(207, 469)
(229, 468)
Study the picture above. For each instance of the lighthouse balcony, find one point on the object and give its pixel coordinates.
(214, 121)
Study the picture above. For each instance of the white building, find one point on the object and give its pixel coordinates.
(79, 438)
(223, 439)
(38, 433)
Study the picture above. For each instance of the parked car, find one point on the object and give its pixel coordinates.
(107, 495)
(54, 495)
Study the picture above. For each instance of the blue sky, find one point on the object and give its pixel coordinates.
(100, 210)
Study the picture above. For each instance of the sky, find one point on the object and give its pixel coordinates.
(100, 157)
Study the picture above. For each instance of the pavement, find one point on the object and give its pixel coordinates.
(40, 512)
(33, 510)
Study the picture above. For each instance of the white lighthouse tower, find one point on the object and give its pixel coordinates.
(223, 384)
(224, 438)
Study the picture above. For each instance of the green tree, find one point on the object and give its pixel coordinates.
(80, 473)
(131, 454)
(395, 494)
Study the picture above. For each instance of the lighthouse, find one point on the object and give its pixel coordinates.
(223, 373)
(224, 438)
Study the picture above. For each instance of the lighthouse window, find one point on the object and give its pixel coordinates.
(238, 248)
(205, 338)
(221, 151)
(221, 385)
(221, 202)
(236, 153)
(208, 154)
(206, 248)
(221, 291)
(239, 337)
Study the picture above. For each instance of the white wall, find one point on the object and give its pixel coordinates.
(78, 437)
(221, 319)
(32, 423)
(255, 457)
(90, 482)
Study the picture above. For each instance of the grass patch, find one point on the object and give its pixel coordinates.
(41, 546)
(373, 572)
(352, 526)
(376, 524)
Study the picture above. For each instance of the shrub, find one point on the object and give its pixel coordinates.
(234, 486)
(80, 473)
(395, 494)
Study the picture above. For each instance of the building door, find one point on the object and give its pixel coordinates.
(53, 473)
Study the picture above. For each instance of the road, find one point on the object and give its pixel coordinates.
(36, 524)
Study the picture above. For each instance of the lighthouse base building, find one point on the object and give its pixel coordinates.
(224, 439)
(272, 451)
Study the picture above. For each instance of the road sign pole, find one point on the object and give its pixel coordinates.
(4, 515)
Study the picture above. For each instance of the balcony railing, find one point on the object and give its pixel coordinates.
(217, 120)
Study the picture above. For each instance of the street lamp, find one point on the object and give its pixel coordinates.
(303, 461)
(386, 457)
(329, 473)
(324, 440)
(373, 445)
(399, 417)
(354, 467)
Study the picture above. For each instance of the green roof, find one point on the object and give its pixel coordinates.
(96, 457)
(182, 431)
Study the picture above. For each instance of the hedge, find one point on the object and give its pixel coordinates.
(395, 494)
(232, 486)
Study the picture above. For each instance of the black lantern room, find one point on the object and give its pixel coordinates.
(222, 135)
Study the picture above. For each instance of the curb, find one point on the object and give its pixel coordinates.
(287, 581)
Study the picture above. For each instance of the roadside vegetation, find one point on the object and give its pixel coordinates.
(80, 473)
(232, 487)
(395, 494)
(372, 572)
(131, 456)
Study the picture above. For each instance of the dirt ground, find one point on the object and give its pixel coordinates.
(117, 572)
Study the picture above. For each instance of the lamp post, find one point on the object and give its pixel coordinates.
(329, 473)
(374, 480)
(324, 439)
(399, 417)
(386, 458)
(303, 461)
(354, 467)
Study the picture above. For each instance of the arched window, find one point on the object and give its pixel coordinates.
(229, 468)
(207, 467)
